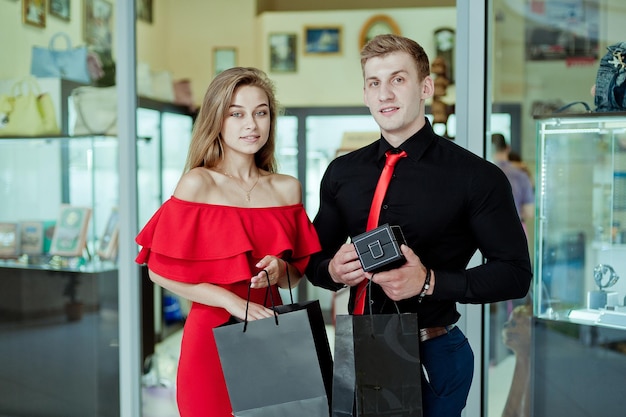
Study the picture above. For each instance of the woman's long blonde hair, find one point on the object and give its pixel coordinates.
(206, 148)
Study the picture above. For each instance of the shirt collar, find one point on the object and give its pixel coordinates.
(415, 146)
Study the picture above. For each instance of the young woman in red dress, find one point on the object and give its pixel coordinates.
(231, 217)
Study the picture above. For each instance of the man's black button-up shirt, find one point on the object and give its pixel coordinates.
(449, 202)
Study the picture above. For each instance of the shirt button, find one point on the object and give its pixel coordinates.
(385, 206)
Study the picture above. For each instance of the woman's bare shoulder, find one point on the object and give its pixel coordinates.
(288, 187)
(195, 185)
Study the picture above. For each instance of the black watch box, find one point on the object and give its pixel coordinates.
(379, 248)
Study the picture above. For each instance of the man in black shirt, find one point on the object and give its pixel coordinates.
(449, 203)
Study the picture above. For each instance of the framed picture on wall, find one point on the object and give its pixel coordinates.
(34, 13)
(283, 52)
(224, 58)
(60, 9)
(70, 233)
(98, 24)
(562, 31)
(322, 40)
(144, 10)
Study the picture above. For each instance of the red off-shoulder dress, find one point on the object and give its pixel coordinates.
(196, 243)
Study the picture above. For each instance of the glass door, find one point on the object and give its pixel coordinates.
(59, 305)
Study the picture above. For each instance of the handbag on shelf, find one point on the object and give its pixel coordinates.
(96, 110)
(183, 94)
(102, 68)
(144, 79)
(377, 368)
(162, 86)
(154, 84)
(26, 111)
(69, 63)
(279, 366)
(610, 86)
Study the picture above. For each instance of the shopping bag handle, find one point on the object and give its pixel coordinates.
(245, 321)
(369, 293)
(288, 283)
(368, 289)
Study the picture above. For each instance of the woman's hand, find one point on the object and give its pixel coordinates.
(275, 268)
(255, 311)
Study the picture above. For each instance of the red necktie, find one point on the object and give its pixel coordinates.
(372, 220)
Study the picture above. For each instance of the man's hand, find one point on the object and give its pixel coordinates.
(345, 267)
(404, 282)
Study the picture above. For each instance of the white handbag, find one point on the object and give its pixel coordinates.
(95, 110)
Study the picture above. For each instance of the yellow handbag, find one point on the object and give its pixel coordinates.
(27, 111)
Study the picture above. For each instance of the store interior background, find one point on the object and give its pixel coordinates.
(183, 35)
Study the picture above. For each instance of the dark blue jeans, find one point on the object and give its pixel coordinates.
(448, 368)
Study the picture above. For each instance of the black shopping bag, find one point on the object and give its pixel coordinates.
(377, 370)
(278, 367)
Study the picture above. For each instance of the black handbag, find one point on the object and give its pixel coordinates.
(379, 249)
(279, 367)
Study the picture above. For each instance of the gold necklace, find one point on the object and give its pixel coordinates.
(243, 189)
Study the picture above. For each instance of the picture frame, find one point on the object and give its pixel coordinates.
(283, 52)
(379, 24)
(107, 248)
(9, 240)
(59, 9)
(224, 57)
(144, 10)
(34, 13)
(31, 237)
(322, 40)
(70, 233)
(98, 24)
(562, 33)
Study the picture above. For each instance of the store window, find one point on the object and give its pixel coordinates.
(544, 55)
(59, 178)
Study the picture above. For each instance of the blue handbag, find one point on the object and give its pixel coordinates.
(69, 63)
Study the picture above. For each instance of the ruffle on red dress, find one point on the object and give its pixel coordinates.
(197, 242)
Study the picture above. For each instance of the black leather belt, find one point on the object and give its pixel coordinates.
(428, 333)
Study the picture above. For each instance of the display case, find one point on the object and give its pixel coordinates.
(59, 299)
(578, 349)
(581, 219)
(42, 176)
(48, 182)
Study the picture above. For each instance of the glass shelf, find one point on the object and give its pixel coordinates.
(75, 266)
